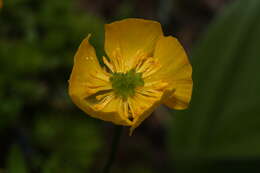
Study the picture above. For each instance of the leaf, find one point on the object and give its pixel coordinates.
(223, 120)
(15, 161)
(72, 142)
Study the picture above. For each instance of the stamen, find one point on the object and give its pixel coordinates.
(92, 89)
(101, 96)
(98, 82)
(100, 76)
(125, 107)
(108, 64)
(149, 93)
(140, 63)
(128, 85)
(148, 67)
(152, 69)
(138, 60)
(132, 107)
(158, 85)
(103, 102)
(118, 61)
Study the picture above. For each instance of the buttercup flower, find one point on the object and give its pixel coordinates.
(142, 70)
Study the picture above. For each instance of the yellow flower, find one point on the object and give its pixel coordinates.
(142, 70)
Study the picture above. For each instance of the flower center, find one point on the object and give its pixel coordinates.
(124, 84)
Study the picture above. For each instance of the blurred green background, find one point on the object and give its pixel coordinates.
(43, 132)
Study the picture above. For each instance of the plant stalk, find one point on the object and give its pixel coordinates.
(114, 149)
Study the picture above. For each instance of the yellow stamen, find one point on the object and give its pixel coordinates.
(94, 89)
(154, 67)
(105, 100)
(102, 96)
(108, 64)
(137, 60)
(118, 61)
(159, 85)
(97, 82)
(131, 106)
(100, 76)
(126, 109)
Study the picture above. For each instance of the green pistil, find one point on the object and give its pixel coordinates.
(124, 84)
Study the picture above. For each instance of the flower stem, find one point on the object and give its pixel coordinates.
(114, 148)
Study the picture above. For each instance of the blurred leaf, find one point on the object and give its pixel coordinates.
(16, 162)
(223, 120)
(37, 45)
(72, 141)
(56, 164)
(38, 40)
(139, 169)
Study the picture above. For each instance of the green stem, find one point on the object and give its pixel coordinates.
(114, 147)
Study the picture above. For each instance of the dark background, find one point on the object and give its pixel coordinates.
(42, 131)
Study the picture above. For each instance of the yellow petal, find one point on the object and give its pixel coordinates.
(180, 99)
(143, 106)
(130, 36)
(176, 70)
(88, 84)
(109, 113)
(85, 66)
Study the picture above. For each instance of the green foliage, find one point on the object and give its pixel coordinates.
(15, 161)
(38, 40)
(139, 169)
(223, 120)
(72, 141)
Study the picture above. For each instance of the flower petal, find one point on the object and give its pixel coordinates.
(143, 106)
(88, 84)
(109, 113)
(130, 36)
(180, 99)
(85, 65)
(176, 70)
(143, 103)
